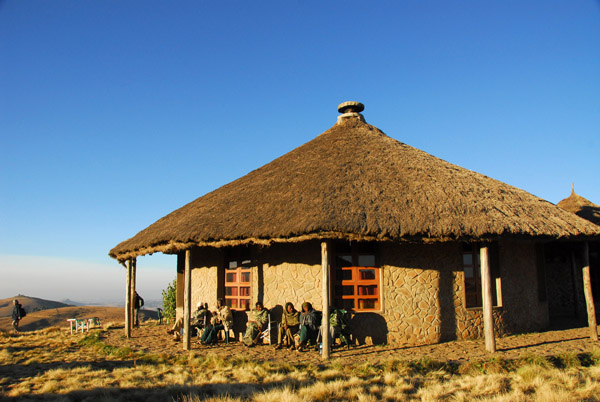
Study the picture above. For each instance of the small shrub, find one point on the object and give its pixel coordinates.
(567, 360)
(91, 339)
(595, 357)
(169, 300)
(537, 360)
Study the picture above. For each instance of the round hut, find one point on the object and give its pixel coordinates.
(419, 249)
(581, 207)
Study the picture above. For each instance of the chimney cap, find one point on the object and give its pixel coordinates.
(351, 107)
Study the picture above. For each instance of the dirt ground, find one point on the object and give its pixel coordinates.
(153, 338)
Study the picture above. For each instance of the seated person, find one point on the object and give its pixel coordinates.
(289, 326)
(197, 319)
(255, 326)
(338, 327)
(309, 326)
(222, 319)
(200, 317)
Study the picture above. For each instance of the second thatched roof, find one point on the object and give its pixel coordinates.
(581, 207)
(355, 182)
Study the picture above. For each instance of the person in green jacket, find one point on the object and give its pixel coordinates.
(256, 325)
(289, 326)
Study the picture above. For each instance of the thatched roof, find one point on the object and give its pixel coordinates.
(355, 182)
(582, 207)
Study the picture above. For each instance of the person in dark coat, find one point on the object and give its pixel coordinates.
(309, 326)
(16, 314)
(139, 302)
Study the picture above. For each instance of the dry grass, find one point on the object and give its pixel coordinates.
(54, 365)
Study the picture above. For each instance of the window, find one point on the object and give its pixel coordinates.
(356, 277)
(472, 272)
(238, 283)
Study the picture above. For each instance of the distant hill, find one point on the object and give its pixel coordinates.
(72, 303)
(30, 304)
(57, 317)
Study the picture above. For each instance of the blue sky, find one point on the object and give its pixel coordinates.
(115, 113)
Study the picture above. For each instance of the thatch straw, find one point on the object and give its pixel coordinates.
(582, 207)
(353, 181)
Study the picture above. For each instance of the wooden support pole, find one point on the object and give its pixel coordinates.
(128, 300)
(132, 294)
(486, 294)
(187, 290)
(587, 290)
(325, 320)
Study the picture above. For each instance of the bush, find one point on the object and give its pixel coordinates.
(169, 300)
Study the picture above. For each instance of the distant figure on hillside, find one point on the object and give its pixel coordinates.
(17, 314)
(159, 313)
(139, 302)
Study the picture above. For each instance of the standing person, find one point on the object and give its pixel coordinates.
(309, 326)
(139, 302)
(255, 327)
(222, 320)
(17, 314)
(289, 326)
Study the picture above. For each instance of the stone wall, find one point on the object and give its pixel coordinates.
(292, 273)
(206, 265)
(411, 279)
(422, 289)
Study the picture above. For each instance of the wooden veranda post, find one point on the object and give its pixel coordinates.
(325, 319)
(128, 300)
(587, 290)
(132, 292)
(187, 290)
(486, 294)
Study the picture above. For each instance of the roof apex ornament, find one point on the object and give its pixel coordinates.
(350, 109)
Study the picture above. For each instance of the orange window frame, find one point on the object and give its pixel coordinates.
(238, 286)
(357, 279)
(363, 288)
